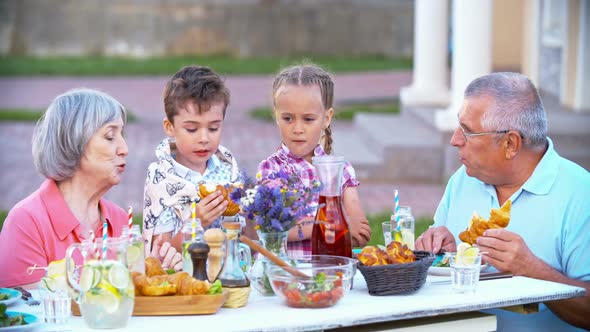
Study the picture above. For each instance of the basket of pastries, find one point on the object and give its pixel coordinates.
(395, 269)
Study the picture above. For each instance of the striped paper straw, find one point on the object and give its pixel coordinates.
(396, 201)
(194, 220)
(105, 231)
(130, 215)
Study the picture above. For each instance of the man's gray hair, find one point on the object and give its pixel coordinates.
(516, 106)
(62, 133)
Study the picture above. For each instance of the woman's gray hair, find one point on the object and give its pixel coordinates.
(516, 106)
(62, 133)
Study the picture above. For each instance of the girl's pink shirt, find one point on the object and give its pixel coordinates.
(40, 228)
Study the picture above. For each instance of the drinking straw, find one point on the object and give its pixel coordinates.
(105, 230)
(396, 200)
(130, 214)
(194, 220)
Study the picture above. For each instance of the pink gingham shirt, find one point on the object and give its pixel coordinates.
(284, 160)
(40, 228)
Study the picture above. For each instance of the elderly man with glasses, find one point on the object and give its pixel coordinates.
(506, 155)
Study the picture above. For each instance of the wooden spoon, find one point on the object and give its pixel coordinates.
(272, 257)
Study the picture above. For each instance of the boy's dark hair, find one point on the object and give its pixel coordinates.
(194, 83)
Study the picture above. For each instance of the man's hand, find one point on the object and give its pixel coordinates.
(507, 251)
(210, 208)
(166, 253)
(436, 239)
(361, 232)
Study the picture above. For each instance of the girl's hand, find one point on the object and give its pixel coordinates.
(210, 208)
(360, 232)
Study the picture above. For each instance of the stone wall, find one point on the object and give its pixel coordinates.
(237, 27)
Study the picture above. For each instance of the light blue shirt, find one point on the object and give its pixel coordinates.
(216, 172)
(551, 211)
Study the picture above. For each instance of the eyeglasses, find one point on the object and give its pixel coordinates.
(467, 134)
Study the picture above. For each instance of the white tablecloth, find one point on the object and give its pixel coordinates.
(356, 308)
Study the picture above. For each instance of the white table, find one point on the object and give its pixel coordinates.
(356, 308)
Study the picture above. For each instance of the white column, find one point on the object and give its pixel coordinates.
(582, 84)
(472, 53)
(429, 86)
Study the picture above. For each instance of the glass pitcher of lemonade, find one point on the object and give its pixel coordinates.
(102, 282)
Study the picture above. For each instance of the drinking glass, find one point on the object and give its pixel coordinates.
(465, 273)
(402, 224)
(56, 304)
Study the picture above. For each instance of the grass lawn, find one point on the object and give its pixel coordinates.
(32, 115)
(345, 112)
(375, 221)
(226, 65)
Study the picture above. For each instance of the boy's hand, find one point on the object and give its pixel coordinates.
(166, 253)
(360, 232)
(210, 208)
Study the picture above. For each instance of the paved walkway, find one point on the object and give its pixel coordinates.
(251, 140)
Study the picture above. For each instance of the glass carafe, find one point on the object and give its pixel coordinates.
(331, 234)
(98, 274)
(232, 275)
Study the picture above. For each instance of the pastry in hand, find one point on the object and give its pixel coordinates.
(206, 189)
(499, 218)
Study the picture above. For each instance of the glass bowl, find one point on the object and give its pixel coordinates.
(329, 280)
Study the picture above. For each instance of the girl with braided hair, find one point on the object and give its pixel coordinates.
(303, 108)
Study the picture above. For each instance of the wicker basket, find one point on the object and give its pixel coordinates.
(397, 278)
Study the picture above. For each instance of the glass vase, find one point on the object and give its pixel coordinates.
(275, 243)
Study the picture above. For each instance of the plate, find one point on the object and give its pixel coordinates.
(32, 322)
(446, 271)
(14, 295)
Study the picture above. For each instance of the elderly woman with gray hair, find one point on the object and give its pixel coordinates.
(78, 146)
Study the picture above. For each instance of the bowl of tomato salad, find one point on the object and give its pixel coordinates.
(328, 280)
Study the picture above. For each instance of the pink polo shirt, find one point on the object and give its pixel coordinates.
(40, 228)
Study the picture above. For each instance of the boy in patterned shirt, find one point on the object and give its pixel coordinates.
(195, 102)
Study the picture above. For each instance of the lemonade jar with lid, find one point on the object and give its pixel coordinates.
(135, 250)
(102, 282)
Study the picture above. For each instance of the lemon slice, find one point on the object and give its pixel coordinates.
(49, 284)
(133, 254)
(89, 278)
(469, 256)
(106, 297)
(408, 238)
(56, 268)
(119, 275)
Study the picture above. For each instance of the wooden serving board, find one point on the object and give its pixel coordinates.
(173, 305)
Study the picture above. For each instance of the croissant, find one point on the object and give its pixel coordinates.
(206, 189)
(372, 256)
(499, 218)
(399, 253)
(153, 267)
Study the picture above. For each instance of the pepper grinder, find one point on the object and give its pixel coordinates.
(199, 252)
(215, 238)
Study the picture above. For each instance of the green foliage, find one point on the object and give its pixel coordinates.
(345, 112)
(32, 115)
(375, 221)
(223, 64)
(20, 115)
(3, 215)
